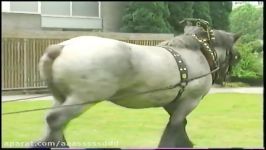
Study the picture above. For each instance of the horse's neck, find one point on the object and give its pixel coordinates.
(185, 41)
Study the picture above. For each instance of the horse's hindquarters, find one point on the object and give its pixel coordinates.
(92, 72)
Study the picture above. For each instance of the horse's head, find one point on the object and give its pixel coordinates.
(227, 55)
(223, 44)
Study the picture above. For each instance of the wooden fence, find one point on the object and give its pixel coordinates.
(21, 54)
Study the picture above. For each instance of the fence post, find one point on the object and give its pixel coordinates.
(25, 63)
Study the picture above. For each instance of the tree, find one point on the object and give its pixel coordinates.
(219, 12)
(202, 11)
(149, 17)
(248, 20)
(178, 12)
(249, 65)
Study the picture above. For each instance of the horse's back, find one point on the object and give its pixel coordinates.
(87, 39)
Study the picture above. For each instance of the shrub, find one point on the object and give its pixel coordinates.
(146, 17)
(249, 65)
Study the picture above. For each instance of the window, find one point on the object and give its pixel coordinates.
(24, 6)
(85, 9)
(71, 15)
(55, 8)
(55, 14)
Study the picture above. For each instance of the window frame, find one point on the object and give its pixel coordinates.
(23, 12)
(51, 15)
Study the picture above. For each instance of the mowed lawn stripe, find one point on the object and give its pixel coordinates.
(220, 120)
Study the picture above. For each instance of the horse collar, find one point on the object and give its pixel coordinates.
(209, 53)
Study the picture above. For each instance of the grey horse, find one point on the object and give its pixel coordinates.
(88, 69)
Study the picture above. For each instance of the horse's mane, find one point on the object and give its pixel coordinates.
(182, 41)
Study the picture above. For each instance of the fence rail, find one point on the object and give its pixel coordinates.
(20, 58)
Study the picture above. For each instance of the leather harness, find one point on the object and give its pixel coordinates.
(182, 69)
(209, 53)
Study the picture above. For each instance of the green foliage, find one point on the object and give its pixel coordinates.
(256, 46)
(163, 17)
(179, 11)
(220, 11)
(249, 65)
(202, 11)
(146, 17)
(247, 20)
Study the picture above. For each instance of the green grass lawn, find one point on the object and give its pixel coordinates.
(221, 120)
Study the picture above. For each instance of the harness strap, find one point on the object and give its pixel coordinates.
(209, 53)
(182, 69)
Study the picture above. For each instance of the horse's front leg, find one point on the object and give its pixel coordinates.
(57, 119)
(175, 134)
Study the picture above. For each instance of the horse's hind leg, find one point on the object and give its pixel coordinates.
(58, 118)
(175, 133)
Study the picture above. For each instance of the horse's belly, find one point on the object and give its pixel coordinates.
(138, 100)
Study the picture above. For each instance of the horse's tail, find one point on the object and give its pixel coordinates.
(46, 63)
